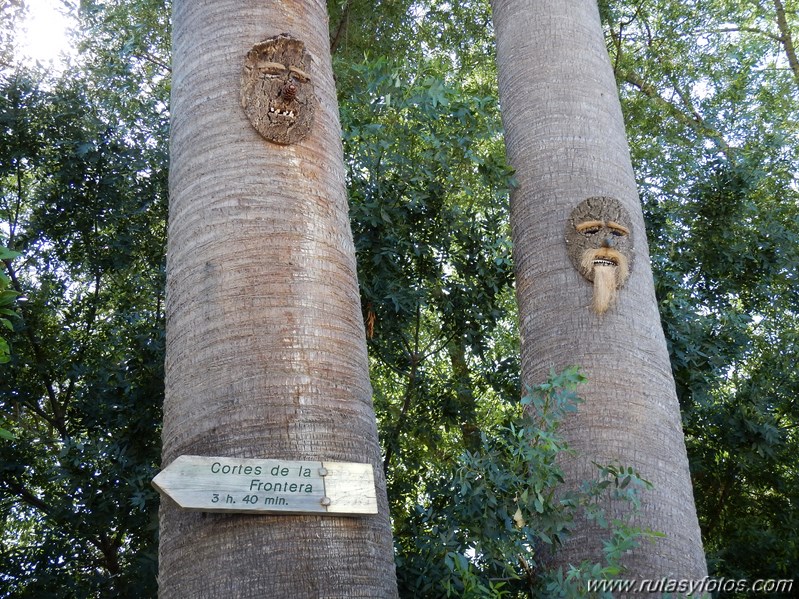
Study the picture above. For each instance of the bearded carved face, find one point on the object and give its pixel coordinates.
(600, 246)
(277, 92)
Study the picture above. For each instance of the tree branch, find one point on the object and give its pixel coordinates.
(342, 25)
(786, 39)
(28, 497)
(146, 56)
(92, 316)
(108, 547)
(58, 418)
(767, 34)
(694, 121)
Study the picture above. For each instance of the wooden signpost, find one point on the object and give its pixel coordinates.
(239, 485)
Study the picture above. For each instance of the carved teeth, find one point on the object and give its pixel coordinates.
(287, 113)
(604, 262)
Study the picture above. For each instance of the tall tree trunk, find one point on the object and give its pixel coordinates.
(565, 137)
(266, 352)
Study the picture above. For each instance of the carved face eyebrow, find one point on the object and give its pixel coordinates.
(274, 69)
(587, 226)
(301, 75)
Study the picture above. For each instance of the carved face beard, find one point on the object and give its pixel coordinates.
(610, 270)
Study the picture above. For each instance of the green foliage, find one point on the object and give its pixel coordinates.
(734, 376)
(428, 186)
(7, 299)
(83, 206)
(487, 526)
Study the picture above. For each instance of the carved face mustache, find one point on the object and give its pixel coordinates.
(608, 270)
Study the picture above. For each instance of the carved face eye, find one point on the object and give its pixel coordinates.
(618, 230)
(590, 227)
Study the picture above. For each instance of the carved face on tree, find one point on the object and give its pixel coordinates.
(277, 93)
(600, 245)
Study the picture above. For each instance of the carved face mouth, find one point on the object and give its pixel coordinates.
(604, 257)
(605, 262)
(280, 113)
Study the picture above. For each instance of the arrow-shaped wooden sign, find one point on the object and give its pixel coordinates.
(215, 484)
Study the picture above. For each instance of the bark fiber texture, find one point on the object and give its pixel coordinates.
(565, 137)
(266, 353)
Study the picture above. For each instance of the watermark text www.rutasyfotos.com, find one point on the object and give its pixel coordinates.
(695, 588)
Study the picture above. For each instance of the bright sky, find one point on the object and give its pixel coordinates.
(44, 32)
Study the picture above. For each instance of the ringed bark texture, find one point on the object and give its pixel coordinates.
(565, 137)
(266, 352)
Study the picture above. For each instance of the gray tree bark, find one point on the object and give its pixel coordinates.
(565, 136)
(266, 352)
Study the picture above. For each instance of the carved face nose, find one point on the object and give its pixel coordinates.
(608, 242)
